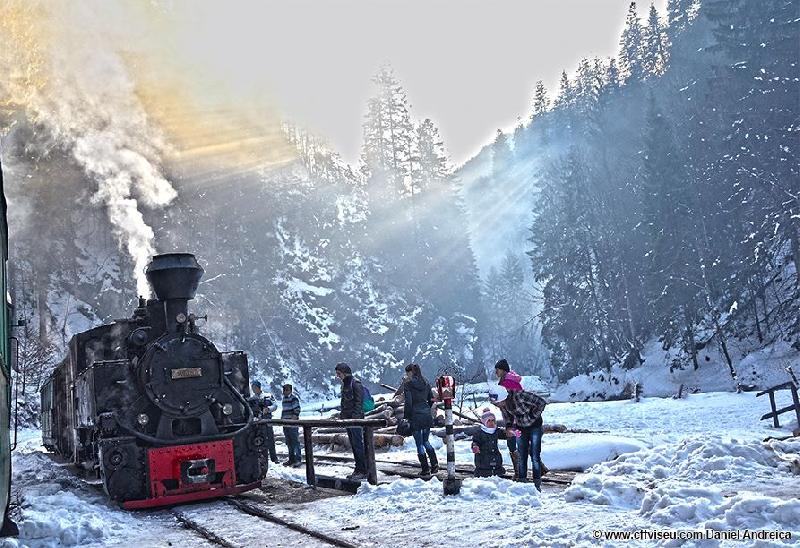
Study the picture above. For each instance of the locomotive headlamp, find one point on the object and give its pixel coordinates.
(180, 318)
(227, 409)
(142, 419)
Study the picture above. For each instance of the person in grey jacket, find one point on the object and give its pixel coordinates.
(352, 407)
(291, 410)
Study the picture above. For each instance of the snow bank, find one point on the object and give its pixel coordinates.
(707, 482)
(571, 452)
(60, 516)
(410, 494)
(58, 509)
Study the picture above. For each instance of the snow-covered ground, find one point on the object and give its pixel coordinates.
(661, 464)
(691, 464)
(755, 365)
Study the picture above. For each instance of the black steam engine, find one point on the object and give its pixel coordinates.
(152, 406)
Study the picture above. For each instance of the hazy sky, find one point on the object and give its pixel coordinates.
(197, 65)
(470, 65)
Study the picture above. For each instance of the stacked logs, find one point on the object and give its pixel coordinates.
(391, 410)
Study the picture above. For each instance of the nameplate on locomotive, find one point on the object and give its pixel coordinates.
(187, 372)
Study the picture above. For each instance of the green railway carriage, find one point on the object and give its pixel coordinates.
(8, 527)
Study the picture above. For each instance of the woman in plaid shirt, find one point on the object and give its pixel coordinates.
(524, 410)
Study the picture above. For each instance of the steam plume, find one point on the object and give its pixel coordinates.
(76, 87)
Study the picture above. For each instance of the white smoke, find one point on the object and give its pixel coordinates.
(86, 101)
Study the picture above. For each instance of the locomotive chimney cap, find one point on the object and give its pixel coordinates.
(174, 275)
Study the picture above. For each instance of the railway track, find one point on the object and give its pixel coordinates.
(215, 525)
(200, 530)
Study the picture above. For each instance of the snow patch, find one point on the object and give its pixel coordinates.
(706, 482)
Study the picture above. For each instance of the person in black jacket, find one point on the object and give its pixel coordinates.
(263, 406)
(417, 410)
(488, 460)
(352, 407)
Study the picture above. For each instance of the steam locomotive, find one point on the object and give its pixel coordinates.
(151, 406)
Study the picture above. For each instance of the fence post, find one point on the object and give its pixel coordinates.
(774, 409)
(311, 477)
(369, 455)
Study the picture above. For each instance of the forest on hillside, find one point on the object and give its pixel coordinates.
(665, 189)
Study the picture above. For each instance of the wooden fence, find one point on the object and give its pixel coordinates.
(789, 385)
(367, 426)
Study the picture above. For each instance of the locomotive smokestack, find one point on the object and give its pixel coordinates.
(174, 278)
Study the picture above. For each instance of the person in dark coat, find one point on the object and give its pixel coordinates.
(399, 395)
(263, 406)
(417, 409)
(352, 407)
(488, 460)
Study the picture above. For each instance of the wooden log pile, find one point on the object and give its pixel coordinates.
(340, 440)
(391, 410)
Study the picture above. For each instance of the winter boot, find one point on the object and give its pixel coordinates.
(515, 462)
(434, 461)
(423, 462)
(537, 482)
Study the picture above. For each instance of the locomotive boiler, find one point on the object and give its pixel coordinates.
(152, 406)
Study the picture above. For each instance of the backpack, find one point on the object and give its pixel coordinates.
(369, 402)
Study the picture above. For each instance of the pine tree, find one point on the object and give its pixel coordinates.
(631, 45)
(566, 258)
(760, 39)
(655, 52)
(585, 89)
(612, 75)
(388, 132)
(432, 162)
(541, 102)
(678, 12)
(566, 92)
(501, 152)
(667, 216)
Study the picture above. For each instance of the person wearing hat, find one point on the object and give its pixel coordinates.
(488, 460)
(352, 407)
(290, 409)
(510, 381)
(263, 406)
(524, 412)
